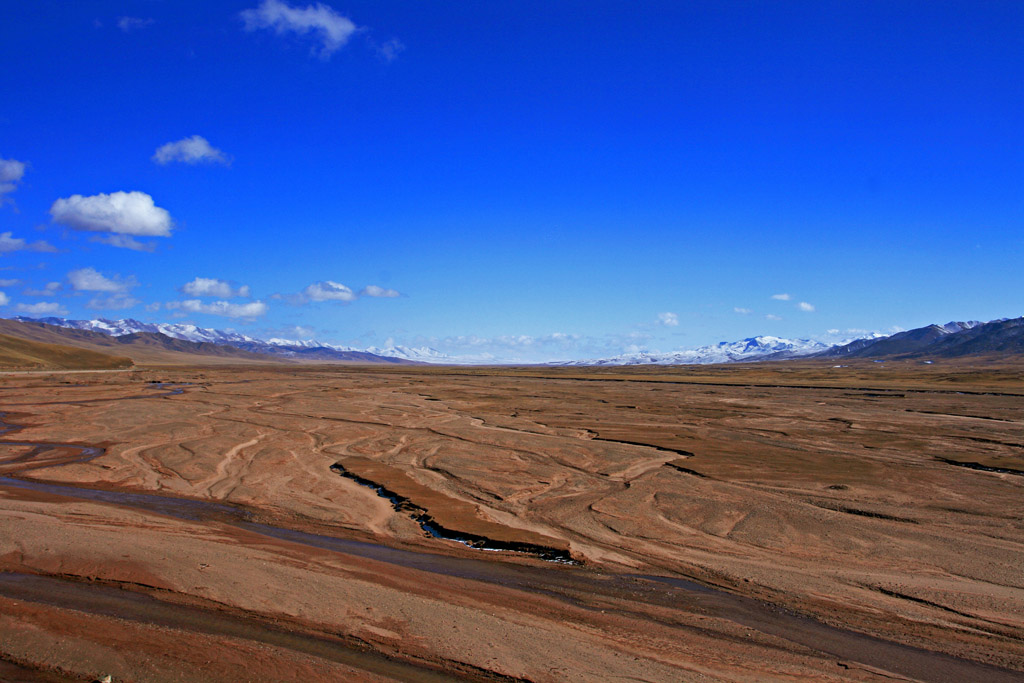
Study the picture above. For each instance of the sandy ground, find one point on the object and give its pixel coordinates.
(853, 496)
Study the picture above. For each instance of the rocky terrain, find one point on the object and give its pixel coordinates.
(743, 522)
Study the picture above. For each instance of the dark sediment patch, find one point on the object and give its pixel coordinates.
(982, 468)
(432, 527)
(686, 470)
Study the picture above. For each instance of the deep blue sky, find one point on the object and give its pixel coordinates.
(522, 169)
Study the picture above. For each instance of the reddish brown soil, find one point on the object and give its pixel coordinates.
(833, 492)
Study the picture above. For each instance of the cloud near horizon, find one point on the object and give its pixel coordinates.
(212, 287)
(805, 307)
(192, 150)
(43, 308)
(226, 309)
(119, 213)
(330, 28)
(91, 280)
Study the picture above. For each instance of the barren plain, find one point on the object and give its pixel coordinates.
(780, 521)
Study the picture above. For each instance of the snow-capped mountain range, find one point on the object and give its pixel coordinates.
(289, 348)
(724, 352)
(752, 348)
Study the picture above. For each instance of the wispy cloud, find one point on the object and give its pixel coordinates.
(805, 307)
(9, 243)
(390, 49)
(119, 213)
(212, 287)
(4, 299)
(781, 297)
(668, 319)
(772, 316)
(193, 150)
(331, 30)
(9, 282)
(742, 311)
(50, 289)
(380, 292)
(124, 242)
(129, 24)
(11, 173)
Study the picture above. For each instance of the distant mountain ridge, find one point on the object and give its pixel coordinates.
(285, 348)
(752, 348)
(952, 340)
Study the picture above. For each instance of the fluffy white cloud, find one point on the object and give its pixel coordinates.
(4, 299)
(806, 307)
(208, 286)
(193, 150)
(781, 297)
(668, 319)
(329, 291)
(254, 309)
(91, 280)
(129, 24)
(742, 311)
(42, 308)
(11, 172)
(123, 213)
(10, 243)
(772, 316)
(374, 290)
(330, 28)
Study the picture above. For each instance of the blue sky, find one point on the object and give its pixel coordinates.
(523, 179)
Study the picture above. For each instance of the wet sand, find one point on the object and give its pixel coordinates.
(727, 526)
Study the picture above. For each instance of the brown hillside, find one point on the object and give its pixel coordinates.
(145, 348)
(19, 353)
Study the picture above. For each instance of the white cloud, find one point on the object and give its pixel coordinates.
(374, 290)
(330, 28)
(123, 213)
(254, 309)
(9, 282)
(43, 308)
(193, 150)
(329, 291)
(806, 307)
(9, 243)
(129, 24)
(772, 316)
(153, 307)
(4, 299)
(124, 242)
(11, 172)
(90, 280)
(50, 289)
(208, 286)
(742, 311)
(668, 319)
(781, 297)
